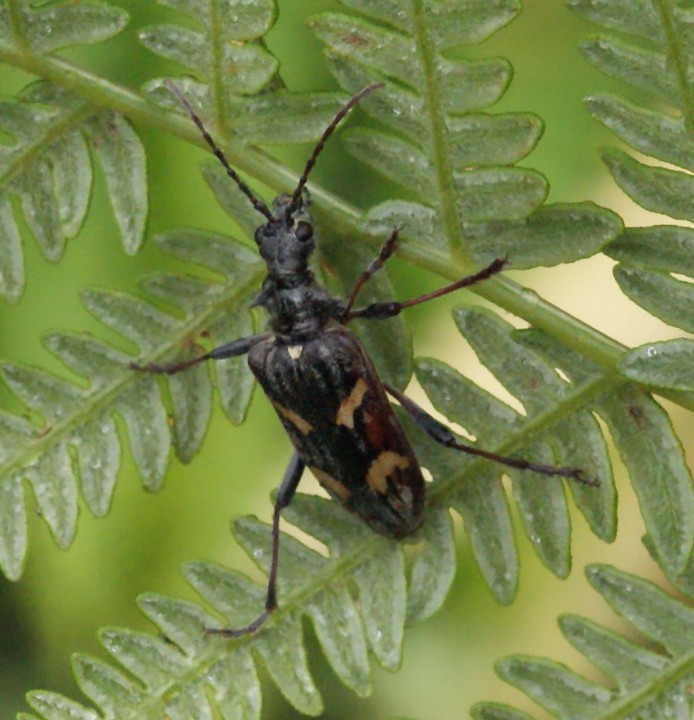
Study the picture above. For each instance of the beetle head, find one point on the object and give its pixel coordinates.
(286, 242)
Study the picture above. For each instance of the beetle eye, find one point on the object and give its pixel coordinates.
(304, 231)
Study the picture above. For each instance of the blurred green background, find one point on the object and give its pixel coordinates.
(64, 597)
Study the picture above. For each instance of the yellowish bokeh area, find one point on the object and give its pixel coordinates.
(64, 597)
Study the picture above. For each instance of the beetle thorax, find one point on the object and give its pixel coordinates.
(297, 305)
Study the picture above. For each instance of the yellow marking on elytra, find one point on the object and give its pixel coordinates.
(295, 351)
(303, 426)
(345, 413)
(382, 468)
(330, 483)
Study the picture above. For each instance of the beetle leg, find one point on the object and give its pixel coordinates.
(439, 432)
(290, 482)
(384, 310)
(228, 350)
(389, 247)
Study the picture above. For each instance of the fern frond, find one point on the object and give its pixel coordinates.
(188, 667)
(468, 202)
(654, 55)
(652, 52)
(652, 682)
(235, 77)
(47, 167)
(457, 160)
(81, 420)
(455, 200)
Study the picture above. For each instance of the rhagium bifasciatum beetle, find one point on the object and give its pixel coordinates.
(321, 382)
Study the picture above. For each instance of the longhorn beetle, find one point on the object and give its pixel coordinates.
(321, 382)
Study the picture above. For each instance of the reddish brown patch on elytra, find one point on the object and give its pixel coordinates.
(374, 429)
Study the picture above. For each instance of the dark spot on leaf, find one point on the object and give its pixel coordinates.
(355, 39)
(637, 416)
(44, 431)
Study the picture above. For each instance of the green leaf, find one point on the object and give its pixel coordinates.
(433, 568)
(554, 687)
(536, 385)
(13, 527)
(629, 663)
(81, 420)
(149, 658)
(234, 203)
(657, 189)
(238, 86)
(480, 499)
(285, 118)
(640, 66)
(659, 475)
(56, 707)
(332, 611)
(72, 180)
(148, 432)
(235, 381)
(496, 711)
(181, 622)
(11, 266)
(105, 686)
(654, 59)
(123, 160)
(661, 364)
(580, 436)
(49, 169)
(40, 207)
(417, 221)
(656, 134)
(551, 235)
(650, 682)
(660, 247)
(469, 22)
(664, 619)
(380, 583)
(660, 294)
(651, 452)
(504, 194)
(282, 652)
(470, 85)
(63, 24)
(478, 139)
(391, 53)
(484, 209)
(395, 158)
(182, 45)
(635, 17)
(211, 250)
(191, 396)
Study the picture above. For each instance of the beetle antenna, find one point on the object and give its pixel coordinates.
(321, 143)
(257, 203)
